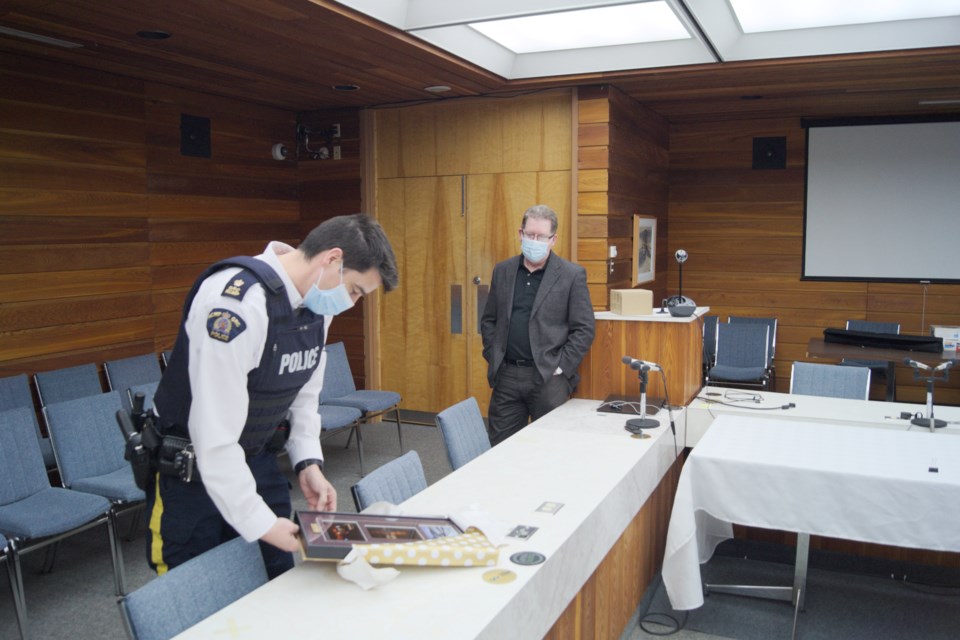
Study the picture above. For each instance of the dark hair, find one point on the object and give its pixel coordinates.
(364, 244)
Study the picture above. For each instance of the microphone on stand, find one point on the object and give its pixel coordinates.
(678, 305)
(637, 425)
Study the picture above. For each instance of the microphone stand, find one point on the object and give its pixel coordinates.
(636, 425)
(931, 422)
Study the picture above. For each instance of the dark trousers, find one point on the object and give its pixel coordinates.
(519, 396)
(183, 522)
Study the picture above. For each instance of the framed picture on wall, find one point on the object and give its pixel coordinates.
(644, 249)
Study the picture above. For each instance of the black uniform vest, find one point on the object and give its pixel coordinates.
(290, 356)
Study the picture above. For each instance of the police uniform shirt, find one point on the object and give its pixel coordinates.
(218, 381)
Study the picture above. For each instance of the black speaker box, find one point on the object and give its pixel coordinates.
(770, 153)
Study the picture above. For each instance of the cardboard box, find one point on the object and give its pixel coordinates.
(950, 335)
(631, 302)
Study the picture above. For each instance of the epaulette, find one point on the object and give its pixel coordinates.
(239, 285)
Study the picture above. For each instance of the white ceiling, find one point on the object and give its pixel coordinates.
(713, 32)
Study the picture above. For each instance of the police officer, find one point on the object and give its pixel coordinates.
(247, 363)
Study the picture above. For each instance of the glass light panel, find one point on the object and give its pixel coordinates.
(605, 26)
(757, 16)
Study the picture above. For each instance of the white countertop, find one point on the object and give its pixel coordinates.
(713, 402)
(653, 317)
(574, 455)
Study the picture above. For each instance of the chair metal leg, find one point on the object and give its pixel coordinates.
(50, 557)
(15, 575)
(119, 578)
(349, 439)
(399, 429)
(359, 447)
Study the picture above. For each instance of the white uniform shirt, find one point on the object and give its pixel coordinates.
(218, 382)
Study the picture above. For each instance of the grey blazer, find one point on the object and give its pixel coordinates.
(561, 321)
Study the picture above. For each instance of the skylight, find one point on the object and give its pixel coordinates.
(599, 27)
(758, 16)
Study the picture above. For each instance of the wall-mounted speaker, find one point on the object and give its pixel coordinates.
(770, 153)
(194, 136)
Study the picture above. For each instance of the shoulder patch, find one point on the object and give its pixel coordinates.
(224, 325)
(238, 285)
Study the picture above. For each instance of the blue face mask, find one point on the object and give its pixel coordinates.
(534, 250)
(328, 302)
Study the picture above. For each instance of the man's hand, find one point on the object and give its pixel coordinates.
(320, 494)
(283, 535)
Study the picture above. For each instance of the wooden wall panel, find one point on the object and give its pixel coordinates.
(105, 225)
(743, 229)
(329, 188)
(622, 161)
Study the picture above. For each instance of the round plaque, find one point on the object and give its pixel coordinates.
(499, 576)
(527, 557)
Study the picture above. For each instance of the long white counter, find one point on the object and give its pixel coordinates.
(574, 455)
(717, 401)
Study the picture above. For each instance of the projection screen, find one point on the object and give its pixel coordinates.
(882, 200)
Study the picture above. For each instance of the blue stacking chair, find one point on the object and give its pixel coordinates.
(463, 431)
(16, 586)
(131, 372)
(192, 591)
(89, 448)
(771, 324)
(394, 482)
(709, 341)
(67, 384)
(742, 356)
(33, 514)
(339, 390)
(147, 389)
(830, 381)
(15, 394)
(335, 419)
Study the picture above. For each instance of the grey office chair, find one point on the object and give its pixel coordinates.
(130, 372)
(15, 394)
(192, 591)
(742, 356)
(34, 515)
(771, 324)
(709, 342)
(336, 419)
(877, 367)
(463, 431)
(89, 448)
(394, 482)
(148, 389)
(830, 381)
(16, 586)
(67, 384)
(340, 390)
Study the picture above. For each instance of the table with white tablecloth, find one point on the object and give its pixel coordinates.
(865, 484)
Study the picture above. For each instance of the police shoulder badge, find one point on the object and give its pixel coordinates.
(224, 325)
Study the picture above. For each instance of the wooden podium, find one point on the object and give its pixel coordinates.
(676, 344)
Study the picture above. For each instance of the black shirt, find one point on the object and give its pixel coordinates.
(524, 293)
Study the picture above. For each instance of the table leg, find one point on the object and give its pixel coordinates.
(891, 381)
(793, 594)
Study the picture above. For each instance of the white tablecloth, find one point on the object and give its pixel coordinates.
(870, 485)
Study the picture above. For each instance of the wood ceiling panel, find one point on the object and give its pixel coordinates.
(288, 53)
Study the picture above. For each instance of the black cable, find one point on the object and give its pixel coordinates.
(677, 624)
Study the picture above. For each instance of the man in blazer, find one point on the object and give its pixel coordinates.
(537, 326)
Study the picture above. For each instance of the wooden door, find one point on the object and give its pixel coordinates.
(422, 330)
(495, 206)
